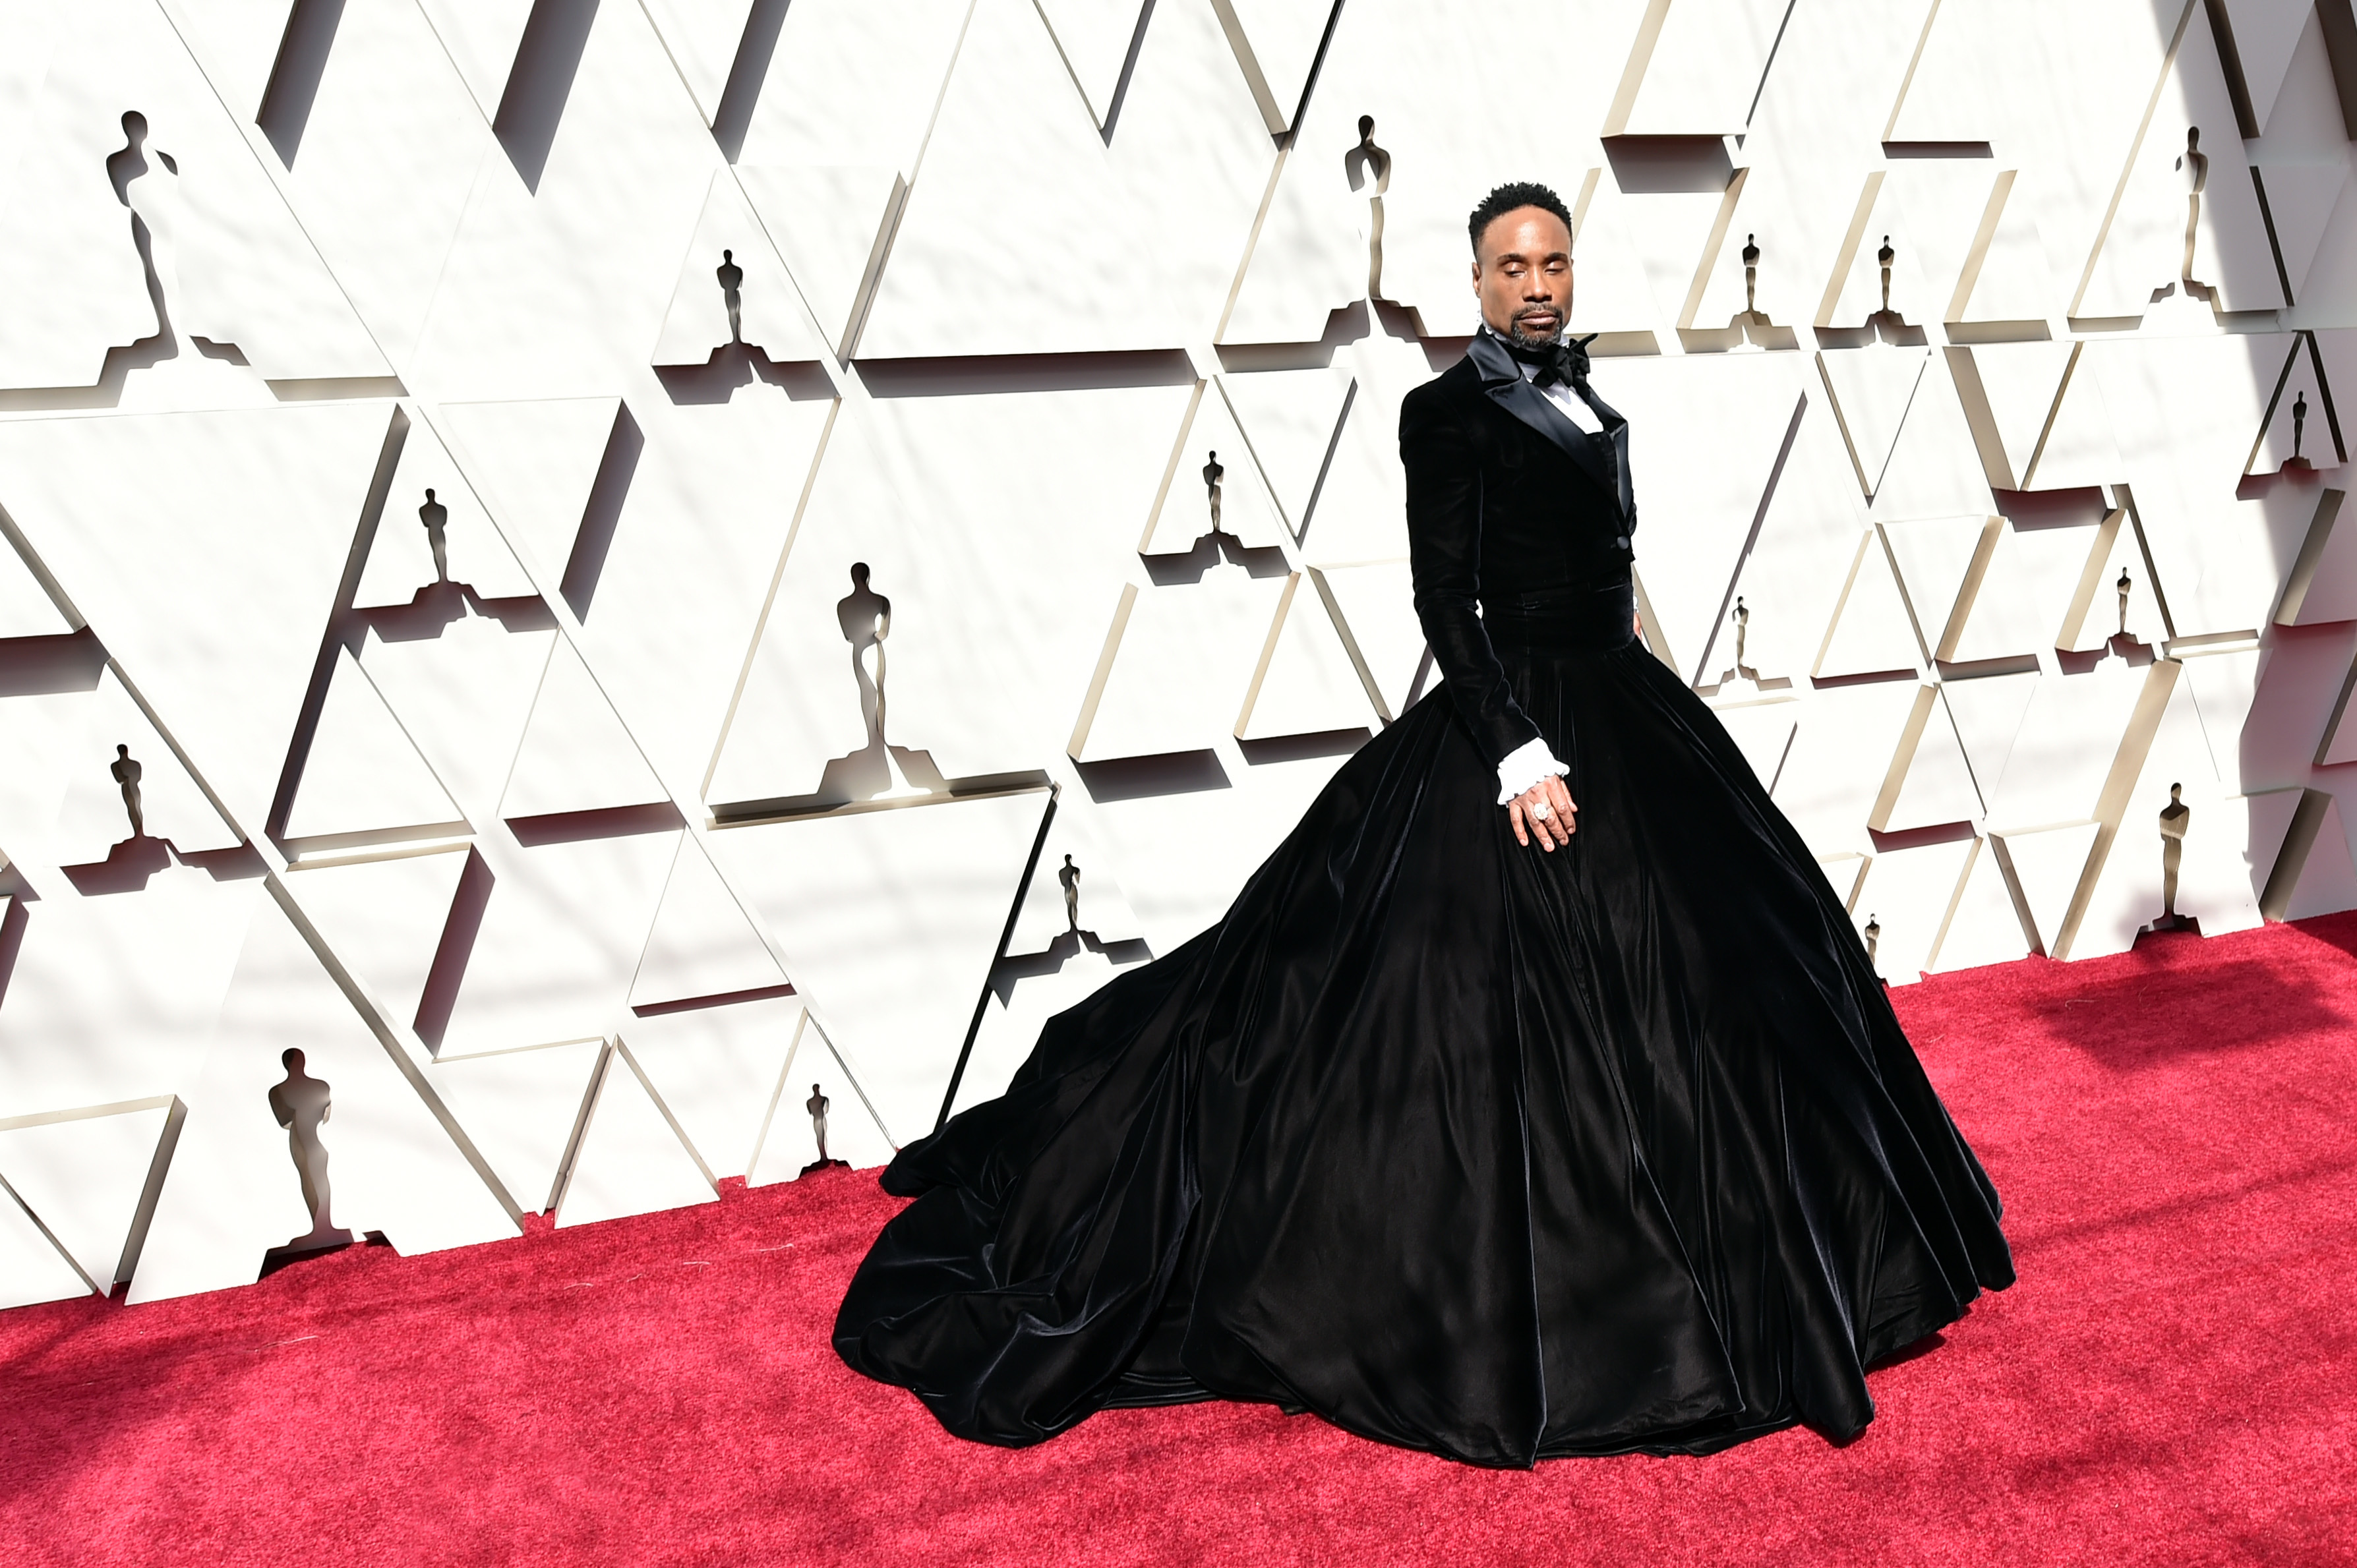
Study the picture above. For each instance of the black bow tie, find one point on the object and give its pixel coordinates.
(1560, 363)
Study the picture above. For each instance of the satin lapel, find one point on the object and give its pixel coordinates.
(1502, 380)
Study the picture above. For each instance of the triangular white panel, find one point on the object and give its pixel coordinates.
(2069, 738)
(1985, 926)
(235, 265)
(64, 238)
(2010, 278)
(1871, 390)
(1909, 894)
(400, 558)
(26, 608)
(575, 755)
(1854, 295)
(1699, 74)
(2328, 879)
(701, 943)
(1870, 633)
(84, 1174)
(383, 917)
(2297, 431)
(1795, 569)
(1010, 1026)
(2264, 34)
(2224, 684)
(2002, 619)
(171, 804)
(237, 42)
(831, 223)
(1177, 661)
(789, 1144)
(520, 1109)
(2322, 588)
(1929, 783)
(1753, 405)
(1290, 417)
(553, 937)
(1076, 854)
(1094, 37)
(1017, 169)
(234, 1190)
(2214, 883)
(702, 37)
(630, 1159)
(1839, 760)
(481, 36)
(362, 779)
(1276, 42)
(1936, 465)
(1305, 684)
(1938, 561)
(2113, 554)
(31, 1270)
(1764, 733)
(205, 551)
(1988, 714)
(1375, 606)
(1184, 513)
(853, 82)
(714, 1070)
(890, 920)
(2008, 392)
(2047, 864)
(2301, 198)
(2191, 139)
(464, 698)
(114, 996)
(769, 312)
(534, 464)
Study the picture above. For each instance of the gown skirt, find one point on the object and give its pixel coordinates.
(1462, 1145)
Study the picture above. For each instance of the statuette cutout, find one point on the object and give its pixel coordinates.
(302, 1104)
(818, 1104)
(1369, 166)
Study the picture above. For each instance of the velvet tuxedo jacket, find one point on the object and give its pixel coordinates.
(1512, 506)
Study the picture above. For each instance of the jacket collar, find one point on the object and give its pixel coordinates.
(1501, 378)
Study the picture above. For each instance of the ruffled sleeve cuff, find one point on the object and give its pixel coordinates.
(1525, 766)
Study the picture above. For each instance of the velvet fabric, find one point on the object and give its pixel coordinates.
(1463, 1145)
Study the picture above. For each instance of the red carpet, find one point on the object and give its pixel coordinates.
(2173, 1381)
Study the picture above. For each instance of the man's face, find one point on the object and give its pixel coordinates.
(1522, 275)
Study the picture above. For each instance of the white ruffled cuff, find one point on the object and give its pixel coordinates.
(1525, 766)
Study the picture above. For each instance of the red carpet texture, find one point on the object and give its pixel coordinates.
(2173, 1381)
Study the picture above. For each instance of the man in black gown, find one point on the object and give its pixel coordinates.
(1462, 1131)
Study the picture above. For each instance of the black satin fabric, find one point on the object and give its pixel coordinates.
(1462, 1145)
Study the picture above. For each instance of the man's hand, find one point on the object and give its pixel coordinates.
(1545, 808)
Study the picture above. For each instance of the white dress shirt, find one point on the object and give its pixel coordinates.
(1575, 407)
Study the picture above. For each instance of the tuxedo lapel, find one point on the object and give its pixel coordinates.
(1502, 378)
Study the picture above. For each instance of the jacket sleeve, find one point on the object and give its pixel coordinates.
(1444, 534)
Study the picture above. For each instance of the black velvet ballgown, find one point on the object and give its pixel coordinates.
(1464, 1146)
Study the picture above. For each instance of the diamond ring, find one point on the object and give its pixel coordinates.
(1541, 811)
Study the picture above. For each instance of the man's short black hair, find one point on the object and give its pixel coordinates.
(1508, 197)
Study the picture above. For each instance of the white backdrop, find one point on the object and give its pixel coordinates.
(437, 438)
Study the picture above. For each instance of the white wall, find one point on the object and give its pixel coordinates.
(573, 872)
